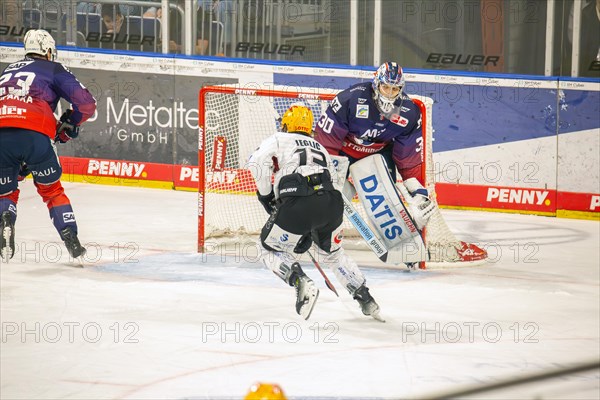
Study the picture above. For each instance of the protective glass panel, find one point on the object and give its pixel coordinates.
(463, 35)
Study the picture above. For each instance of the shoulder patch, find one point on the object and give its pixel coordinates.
(362, 111)
(399, 120)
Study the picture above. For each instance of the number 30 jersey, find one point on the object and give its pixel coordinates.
(29, 93)
(287, 153)
(353, 126)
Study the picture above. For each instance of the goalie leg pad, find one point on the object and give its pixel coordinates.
(386, 210)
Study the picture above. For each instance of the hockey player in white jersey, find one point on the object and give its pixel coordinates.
(305, 210)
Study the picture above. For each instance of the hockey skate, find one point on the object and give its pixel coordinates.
(72, 242)
(7, 237)
(306, 291)
(367, 303)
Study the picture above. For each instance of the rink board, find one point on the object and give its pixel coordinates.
(508, 143)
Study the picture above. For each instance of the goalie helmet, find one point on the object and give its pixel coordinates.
(298, 119)
(38, 41)
(387, 86)
(265, 391)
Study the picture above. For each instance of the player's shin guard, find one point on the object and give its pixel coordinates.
(344, 268)
(278, 262)
(59, 206)
(63, 217)
(347, 272)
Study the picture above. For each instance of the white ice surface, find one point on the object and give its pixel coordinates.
(149, 318)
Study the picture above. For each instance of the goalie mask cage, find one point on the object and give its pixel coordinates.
(232, 124)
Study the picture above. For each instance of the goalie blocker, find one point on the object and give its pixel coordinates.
(388, 213)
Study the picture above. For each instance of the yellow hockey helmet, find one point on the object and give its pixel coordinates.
(265, 391)
(298, 119)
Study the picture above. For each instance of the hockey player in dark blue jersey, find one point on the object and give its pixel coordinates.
(376, 117)
(379, 118)
(378, 129)
(30, 90)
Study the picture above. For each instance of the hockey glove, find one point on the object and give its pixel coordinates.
(268, 201)
(24, 171)
(421, 207)
(65, 129)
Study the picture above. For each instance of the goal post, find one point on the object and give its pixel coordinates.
(232, 124)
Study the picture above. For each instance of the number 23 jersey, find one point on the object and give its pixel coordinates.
(29, 93)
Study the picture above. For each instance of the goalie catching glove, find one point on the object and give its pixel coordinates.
(267, 201)
(417, 197)
(65, 129)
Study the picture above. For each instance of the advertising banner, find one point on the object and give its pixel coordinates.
(501, 143)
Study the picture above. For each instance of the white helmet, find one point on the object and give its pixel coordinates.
(38, 41)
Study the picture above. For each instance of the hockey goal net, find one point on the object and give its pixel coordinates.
(232, 124)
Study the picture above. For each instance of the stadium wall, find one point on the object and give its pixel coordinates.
(503, 143)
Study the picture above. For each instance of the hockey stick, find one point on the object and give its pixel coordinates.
(327, 281)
